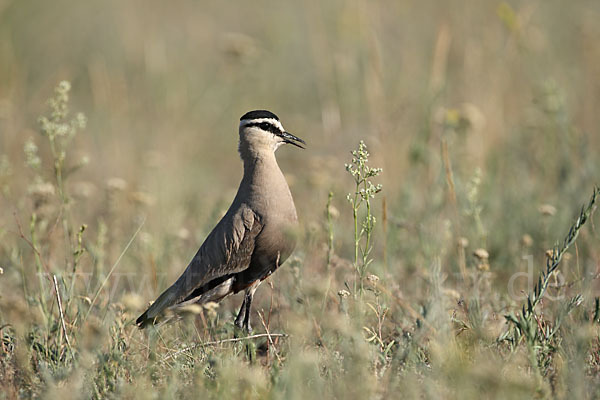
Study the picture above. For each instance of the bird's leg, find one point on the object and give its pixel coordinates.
(242, 320)
(248, 301)
(239, 320)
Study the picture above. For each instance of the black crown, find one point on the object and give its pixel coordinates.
(256, 114)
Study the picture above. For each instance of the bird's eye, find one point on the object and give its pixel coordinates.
(264, 126)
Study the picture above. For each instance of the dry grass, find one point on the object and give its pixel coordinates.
(483, 118)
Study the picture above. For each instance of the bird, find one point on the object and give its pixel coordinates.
(255, 236)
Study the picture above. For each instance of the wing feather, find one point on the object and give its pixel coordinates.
(226, 250)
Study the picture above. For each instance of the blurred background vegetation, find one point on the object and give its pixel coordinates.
(483, 116)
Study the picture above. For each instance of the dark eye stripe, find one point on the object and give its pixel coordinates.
(266, 126)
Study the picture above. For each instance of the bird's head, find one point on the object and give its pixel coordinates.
(261, 130)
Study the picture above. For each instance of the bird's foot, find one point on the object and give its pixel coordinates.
(239, 322)
(243, 325)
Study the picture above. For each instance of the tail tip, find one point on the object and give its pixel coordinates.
(143, 320)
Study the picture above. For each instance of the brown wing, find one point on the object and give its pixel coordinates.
(227, 250)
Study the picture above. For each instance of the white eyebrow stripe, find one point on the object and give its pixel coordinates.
(260, 120)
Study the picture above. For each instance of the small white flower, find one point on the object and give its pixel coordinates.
(63, 87)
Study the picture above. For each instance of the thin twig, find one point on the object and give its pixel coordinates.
(165, 344)
(113, 269)
(262, 320)
(35, 250)
(217, 342)
(62, 316)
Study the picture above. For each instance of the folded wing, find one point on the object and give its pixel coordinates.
(227, 250)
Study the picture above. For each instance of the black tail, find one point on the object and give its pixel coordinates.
(144, 321)
(165, 300)
(168, 300)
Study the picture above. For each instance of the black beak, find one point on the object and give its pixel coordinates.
(291, 139)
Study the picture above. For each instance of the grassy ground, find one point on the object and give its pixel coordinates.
(482, 116)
